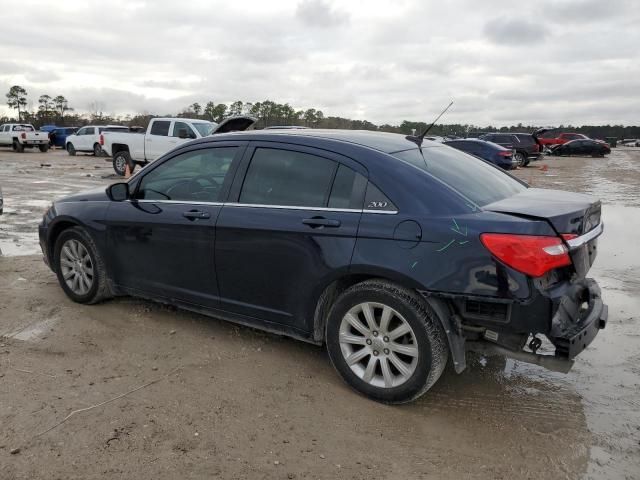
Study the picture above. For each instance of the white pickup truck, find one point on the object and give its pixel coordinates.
(162, 136)
(21, 136)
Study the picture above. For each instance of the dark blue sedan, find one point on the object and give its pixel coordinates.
(397, 256)
(489, 151)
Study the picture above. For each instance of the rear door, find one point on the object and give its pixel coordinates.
(288, 228)
(157, 140)
(162, 241)
(86, 139)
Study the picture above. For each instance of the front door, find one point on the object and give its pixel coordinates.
(290, 224)
(163, 239)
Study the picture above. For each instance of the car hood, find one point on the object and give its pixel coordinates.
(234, 124)
(98, 194)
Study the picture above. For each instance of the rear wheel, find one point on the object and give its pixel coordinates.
(97, 150)
(18, 147)
(79, 267)
(71, 149)
(120, 161)
(385, 341)
(44, 148)
(519, 159)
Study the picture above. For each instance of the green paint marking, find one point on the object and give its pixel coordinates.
(446, 246)
(455, 223)
(414, 264)
(462, 243)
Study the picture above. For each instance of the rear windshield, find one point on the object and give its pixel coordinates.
(469, 176)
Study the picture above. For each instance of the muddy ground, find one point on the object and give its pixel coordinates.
(215, 400)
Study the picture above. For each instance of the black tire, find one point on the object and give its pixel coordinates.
(97, 150)
(430, 339)
(99, 289)
(120, 161)
(71, 150)
(520, 159)
(44, 148)
(18, 147)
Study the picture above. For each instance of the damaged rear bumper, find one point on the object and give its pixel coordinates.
(580, 315)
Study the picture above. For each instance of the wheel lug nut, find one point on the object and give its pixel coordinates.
(386, 339)
(376, 353)
(386, 351)
(375, 334)
(368, 341)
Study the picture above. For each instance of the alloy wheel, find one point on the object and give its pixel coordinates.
(378, 345)
(76, 267)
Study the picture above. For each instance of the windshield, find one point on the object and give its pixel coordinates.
(204, 129)
(472, 178)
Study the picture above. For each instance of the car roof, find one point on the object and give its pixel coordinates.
(382, 141)
(183, 119)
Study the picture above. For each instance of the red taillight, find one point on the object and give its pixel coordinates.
(101, 139)
(569, 236)
(23, 135)
(529, 254)
(505, 153)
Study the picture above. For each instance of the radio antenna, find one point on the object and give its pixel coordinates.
(419, 138)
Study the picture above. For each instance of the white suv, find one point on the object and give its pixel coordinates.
(89, 139)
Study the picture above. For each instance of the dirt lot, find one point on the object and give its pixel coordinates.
(218, 401)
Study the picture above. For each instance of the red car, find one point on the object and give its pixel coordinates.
(551, 137)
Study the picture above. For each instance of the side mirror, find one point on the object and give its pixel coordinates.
(182, 133)
(118, 192)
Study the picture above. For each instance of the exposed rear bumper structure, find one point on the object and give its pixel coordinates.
(580, 315)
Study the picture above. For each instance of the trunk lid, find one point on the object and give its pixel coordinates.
(567, 212)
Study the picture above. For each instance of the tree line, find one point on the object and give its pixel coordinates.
(56, 109)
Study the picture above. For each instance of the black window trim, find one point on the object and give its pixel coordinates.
(241, 173)
(136, 180)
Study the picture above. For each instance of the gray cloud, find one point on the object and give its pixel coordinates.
(319, 13)
(515, 31)
(369, 59)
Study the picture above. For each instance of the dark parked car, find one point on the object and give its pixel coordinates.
(58, 136)
(491, 152)
(1, 202)
(583, 148)
(525, 146)
(396, 257)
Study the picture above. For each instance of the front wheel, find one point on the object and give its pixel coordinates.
(386, 341)
(44, 148)
(120, 161)
(79, 267)
(71, 149)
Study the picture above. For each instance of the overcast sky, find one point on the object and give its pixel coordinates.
(538, 62)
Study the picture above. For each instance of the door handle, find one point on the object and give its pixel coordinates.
(318, 222)
(196, 214)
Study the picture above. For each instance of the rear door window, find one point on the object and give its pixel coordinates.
(160, 128)
(348, 189)
(287, 178)
(90, 131)
(472, 178)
